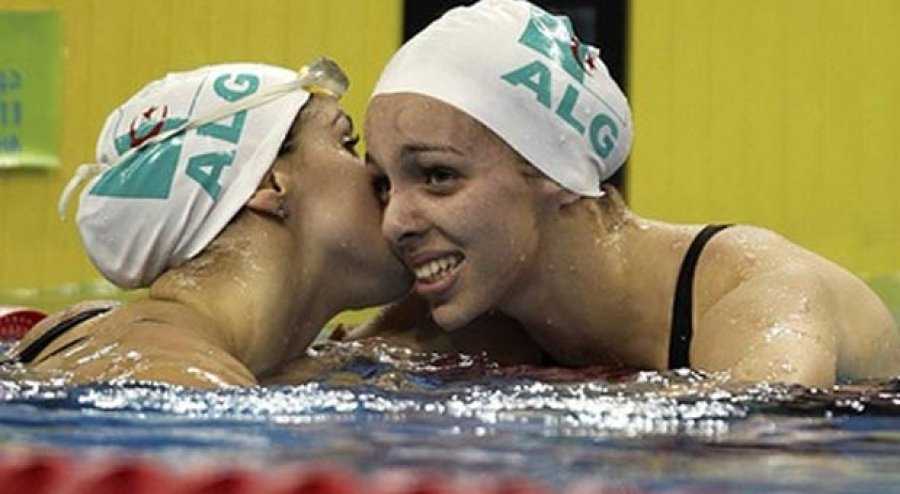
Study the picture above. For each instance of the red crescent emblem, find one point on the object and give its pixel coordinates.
(147, 116)
(589, 59)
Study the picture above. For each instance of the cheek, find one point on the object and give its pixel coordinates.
(501, 223)
(347, 210)
(363, 213)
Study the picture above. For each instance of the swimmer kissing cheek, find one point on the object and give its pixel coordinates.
(234, 193)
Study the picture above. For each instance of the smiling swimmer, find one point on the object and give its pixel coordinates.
(491, 165)
(235, 194)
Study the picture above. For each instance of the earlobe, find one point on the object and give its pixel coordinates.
(270, 197)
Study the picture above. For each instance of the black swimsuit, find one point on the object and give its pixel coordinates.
(682, 308)
(29, 353)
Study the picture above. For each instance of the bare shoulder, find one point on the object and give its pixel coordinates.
(57, 318)
(131, 344)
(750, 269)
(750, 249)
(753, 253)
(777, 325)
(758, 294)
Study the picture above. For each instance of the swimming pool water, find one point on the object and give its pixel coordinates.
(380, 406)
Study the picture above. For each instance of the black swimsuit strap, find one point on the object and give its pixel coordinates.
(682, 309)
(31, 352)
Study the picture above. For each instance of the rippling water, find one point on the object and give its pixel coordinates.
(380, 406)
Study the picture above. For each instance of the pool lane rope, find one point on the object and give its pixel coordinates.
(66, 474)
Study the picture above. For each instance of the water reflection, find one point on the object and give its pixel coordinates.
(372, 405)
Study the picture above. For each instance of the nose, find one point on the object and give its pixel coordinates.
(404, 222)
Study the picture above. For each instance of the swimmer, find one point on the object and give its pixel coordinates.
(235, 194)
(490, 137)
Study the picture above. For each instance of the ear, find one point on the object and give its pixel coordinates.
(565, 198)
(270, 197)
(557, 196)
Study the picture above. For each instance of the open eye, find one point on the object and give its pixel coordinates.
(440, 176)
(381, 185)
(349, 142)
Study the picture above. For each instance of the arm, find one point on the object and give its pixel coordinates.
(775, 326)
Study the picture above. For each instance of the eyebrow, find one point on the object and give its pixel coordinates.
(412, 149)
(429, 148)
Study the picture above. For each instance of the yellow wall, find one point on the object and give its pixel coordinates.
(781, 113)
(113, 47)
(770, 112)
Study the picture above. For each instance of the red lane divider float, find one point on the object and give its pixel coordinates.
(16, 321)
(61, 474)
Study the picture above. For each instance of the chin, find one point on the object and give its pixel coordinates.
(453, 316)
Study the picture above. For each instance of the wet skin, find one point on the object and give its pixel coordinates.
(307, 245)
(590, 281)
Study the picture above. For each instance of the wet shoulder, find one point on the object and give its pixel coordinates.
(140, 342)
(54, 320)
(744, 253)
(778, 268)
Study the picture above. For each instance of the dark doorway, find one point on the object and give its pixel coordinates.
(602, 23)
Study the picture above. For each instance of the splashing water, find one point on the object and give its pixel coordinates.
(376, 405)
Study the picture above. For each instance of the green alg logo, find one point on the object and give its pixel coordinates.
(149, 173)
(554, 38)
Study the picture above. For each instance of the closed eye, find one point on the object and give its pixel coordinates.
(349, 142)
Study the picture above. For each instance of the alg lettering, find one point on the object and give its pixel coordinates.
(149, 173)
(553, 37)
(207, 168)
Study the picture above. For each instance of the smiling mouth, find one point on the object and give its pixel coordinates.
(435, 270)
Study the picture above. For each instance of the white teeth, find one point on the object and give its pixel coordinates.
(433, 269)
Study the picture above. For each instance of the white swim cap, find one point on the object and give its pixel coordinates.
(181, 158)
(522, 73)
